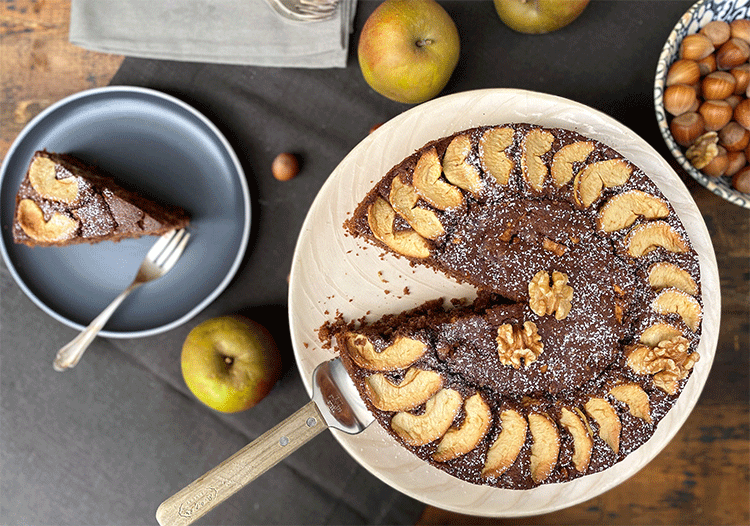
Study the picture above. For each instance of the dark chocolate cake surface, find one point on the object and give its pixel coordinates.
(587, 320)
(63, 201)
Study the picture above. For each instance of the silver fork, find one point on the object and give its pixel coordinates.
(304, 10)
(159, 260)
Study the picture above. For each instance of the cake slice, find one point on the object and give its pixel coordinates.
(63, 201)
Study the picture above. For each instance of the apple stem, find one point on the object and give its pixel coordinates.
(424, 42)
(228, 360)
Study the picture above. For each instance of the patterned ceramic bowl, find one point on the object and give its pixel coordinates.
(696, 17)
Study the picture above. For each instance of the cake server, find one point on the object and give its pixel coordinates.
(335, 403)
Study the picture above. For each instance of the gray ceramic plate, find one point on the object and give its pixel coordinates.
(170, 152)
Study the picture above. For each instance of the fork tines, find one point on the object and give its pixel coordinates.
(317, 7)
(164, 248)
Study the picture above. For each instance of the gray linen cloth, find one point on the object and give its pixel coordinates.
(244, 32)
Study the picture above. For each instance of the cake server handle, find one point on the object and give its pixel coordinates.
(69, 355)
(260, 455)
(336, 404)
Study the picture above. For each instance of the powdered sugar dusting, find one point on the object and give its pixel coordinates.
(494, 242)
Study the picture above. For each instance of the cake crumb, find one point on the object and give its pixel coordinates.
(327, 331)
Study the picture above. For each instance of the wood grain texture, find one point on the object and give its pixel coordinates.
(691, 482)
(260, 455)
(702, 477)
(38, 64)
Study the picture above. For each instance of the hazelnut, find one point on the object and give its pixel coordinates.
(734, 137)
(741, 180)
(740, 29)
(732, 53)
(707, 65)
(713, 126)
(733, 100)
(285, 166)
(718, 165)
(742, 74)
(696, 47)
(683, 71)
(716, 114)
(742, 113)
(717, 32)
(686, 128)
(679, 98)
(737, 161)
(718, 85)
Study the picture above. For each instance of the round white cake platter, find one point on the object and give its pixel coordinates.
(334, 273)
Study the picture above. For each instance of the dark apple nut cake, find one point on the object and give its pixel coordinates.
(586, 323)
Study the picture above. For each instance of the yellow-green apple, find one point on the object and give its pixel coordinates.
(230, 363)
(408, 49)
(538, 16)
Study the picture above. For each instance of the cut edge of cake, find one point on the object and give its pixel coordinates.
(417, 206)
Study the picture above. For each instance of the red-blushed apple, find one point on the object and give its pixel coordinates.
(408, 49)
(230, 363)
(539, 16)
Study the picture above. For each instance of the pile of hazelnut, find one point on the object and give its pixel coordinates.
(708, 94)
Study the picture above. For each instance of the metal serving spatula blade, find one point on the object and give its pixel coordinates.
(335, 403)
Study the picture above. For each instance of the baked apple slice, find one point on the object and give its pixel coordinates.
(415, 389)
(635, 398)
(459, 441)
(622, 210)
(438, 415)
(607, 420)
(398, 355)
(506, 447)
(545, 446)
(582, 442)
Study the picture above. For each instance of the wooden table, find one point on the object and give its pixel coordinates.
(703, 477)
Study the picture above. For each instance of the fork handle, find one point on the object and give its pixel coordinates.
(69, 355)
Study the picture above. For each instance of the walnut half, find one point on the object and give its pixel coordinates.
(518, 342)
(547, 297)
(703, 150)
(668, 362)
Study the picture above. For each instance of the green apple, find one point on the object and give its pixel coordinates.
(408, 50)
(230, 363)
(538, 16)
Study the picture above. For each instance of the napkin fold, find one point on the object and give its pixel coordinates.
(242, 32)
